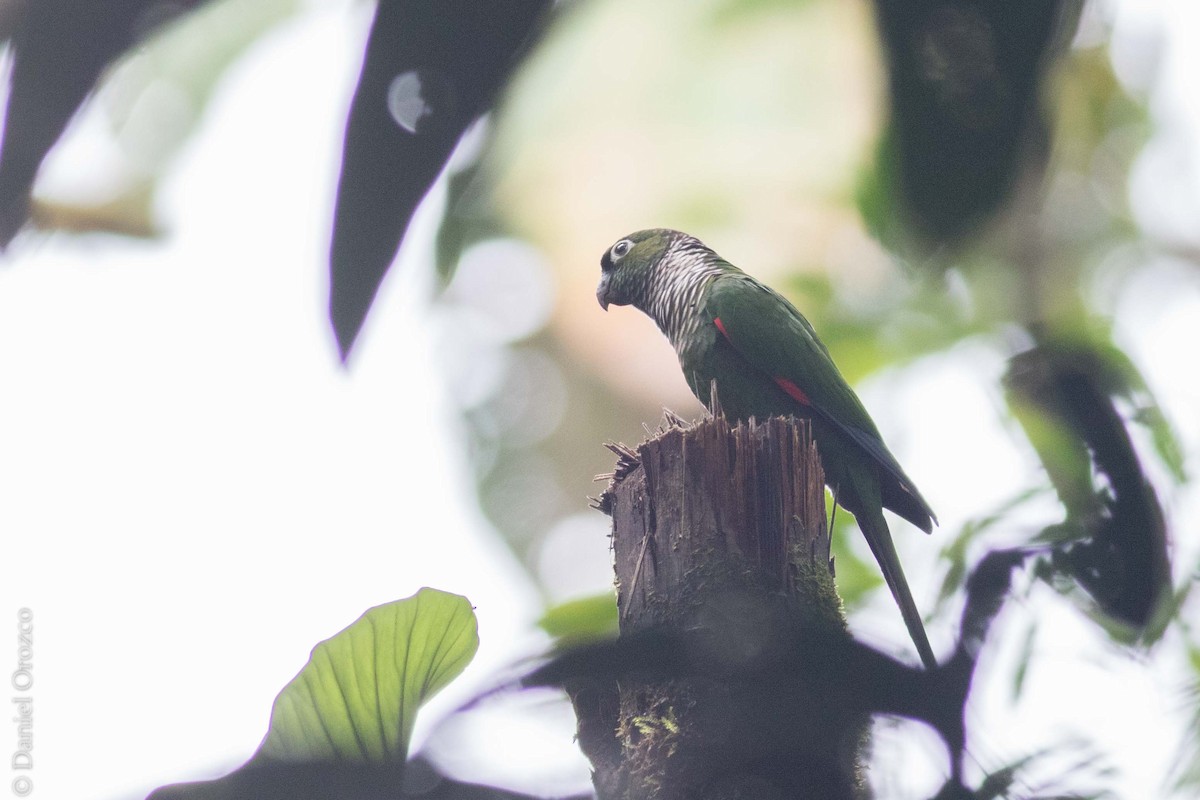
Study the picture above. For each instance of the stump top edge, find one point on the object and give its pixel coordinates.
(630, 458)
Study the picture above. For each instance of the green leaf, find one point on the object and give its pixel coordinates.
(469, 217)
(1024, 660)
(584, 620)
(959, 548)
(1129, 383)
(356, 699)
(875, 192)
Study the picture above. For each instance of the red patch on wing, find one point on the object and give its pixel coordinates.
(721, 327)
(794, 391)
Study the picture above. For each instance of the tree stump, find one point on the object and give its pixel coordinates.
(722, 530)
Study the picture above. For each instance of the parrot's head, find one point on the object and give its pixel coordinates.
(627, 267)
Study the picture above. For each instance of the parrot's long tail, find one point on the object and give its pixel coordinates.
(875, 529)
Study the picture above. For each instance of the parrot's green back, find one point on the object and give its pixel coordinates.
(764, 340)
(765, 360)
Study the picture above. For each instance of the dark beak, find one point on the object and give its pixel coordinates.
(602, 293)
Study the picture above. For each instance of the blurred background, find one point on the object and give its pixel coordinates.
(194, 489)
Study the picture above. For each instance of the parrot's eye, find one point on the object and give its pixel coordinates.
(621, 248)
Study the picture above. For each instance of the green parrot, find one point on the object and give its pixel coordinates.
(766, 360)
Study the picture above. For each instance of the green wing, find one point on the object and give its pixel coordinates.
(775, 339)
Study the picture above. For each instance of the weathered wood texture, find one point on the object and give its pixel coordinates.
(721, 529)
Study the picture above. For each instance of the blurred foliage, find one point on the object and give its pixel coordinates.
(579, 621)
(1187, 759)
(1017, 779)
(989, 204)
(59, 50)
(153, 97)
(430, 68)
(966, 121)
(1022, 272)
(956, 553)
(1030, 268)
(1113, 542)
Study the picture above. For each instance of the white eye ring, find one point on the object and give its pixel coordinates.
(621, 248)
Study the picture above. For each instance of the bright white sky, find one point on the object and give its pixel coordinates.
(192, 492)
(189, 481)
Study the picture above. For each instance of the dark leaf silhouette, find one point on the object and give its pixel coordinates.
(773, 679)
(965, 79)
(431, 68)
(1114, 540)
(279, 781)
(265, 780)
(60, 48)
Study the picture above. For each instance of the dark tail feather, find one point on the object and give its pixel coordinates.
(875, 529)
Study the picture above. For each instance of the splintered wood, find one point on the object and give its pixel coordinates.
(690, 498)
(719, 536)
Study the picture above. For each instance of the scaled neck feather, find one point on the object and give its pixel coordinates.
(675, 288)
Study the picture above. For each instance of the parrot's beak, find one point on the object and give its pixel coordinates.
(602, 293)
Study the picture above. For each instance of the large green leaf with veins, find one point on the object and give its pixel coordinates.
(357, 698)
